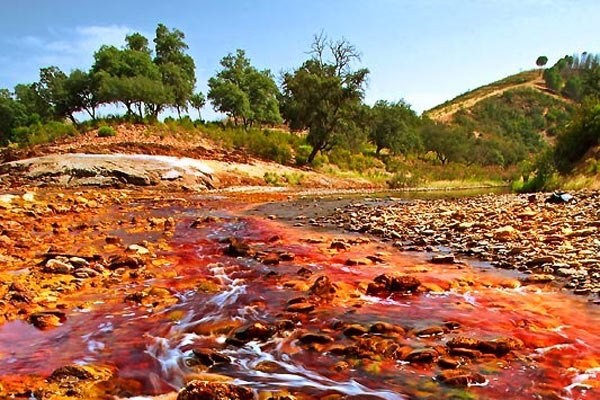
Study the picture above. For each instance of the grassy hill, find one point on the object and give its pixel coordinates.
(518, 112)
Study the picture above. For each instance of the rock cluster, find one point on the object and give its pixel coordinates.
(509, 231)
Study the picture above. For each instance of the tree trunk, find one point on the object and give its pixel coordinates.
(312, 154)
(199, 114)
(178, 112)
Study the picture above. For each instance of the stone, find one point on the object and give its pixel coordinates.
(137, 249)
(424, 356)
(322, 288)
(237, 248)
(47, 319)
(71, 372)
(443, 259)
(538, 278)
(301, 307)
(210, 357)
(54, 266)
(431, 331)
(115, 262)
(312, 338)
(254, 331)
(202, 390)
(386, 328)
(505, 233)
(460, 378)
(355, 330)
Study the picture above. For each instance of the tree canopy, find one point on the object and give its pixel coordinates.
(243, 92)
(324, 95)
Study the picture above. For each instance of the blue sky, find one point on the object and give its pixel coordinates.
(423, 51)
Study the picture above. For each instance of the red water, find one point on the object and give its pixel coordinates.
(560, 359)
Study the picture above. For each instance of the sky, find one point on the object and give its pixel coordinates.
(422, 51)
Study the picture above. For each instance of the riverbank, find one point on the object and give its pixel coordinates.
(523, 232)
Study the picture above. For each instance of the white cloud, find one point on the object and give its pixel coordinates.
(65, 48)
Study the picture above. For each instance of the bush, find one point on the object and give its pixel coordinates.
(42, 133)
(106, 131)
(272, 178)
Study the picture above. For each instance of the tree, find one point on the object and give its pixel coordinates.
(447, 143)
(243, 92)
(12, 115)
(130, 76)
(52, 88)
(394, 126)
(324, 95)
(82, 91)
(28, 96)
(541, 61)
(197, 101)
(177, 68)
(138, 42)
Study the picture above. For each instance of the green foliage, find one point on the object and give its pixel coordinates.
(541, 61)
(272, 178)
(197, 101)
(43, 133)
(106, 131)
(544, 175)
(290, 179)
(509, 126)
(449, 144)
(582, 135)
(243, 92)
(575, 76)
(346, 160)
(324, 96)
(267, 144)
(12, 115)
(394, 126)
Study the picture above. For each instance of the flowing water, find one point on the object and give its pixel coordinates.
(151, 347)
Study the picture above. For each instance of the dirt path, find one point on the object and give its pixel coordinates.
(445, 114)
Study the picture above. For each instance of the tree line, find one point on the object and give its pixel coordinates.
(323, 97)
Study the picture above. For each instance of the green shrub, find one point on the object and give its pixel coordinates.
(273, 179)
(42, 133)
(106, 131)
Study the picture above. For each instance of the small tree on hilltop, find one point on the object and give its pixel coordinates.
(541, 61)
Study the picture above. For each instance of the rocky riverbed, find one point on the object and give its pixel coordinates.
(544, 240)
(149, 294)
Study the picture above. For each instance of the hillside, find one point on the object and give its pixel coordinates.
(527, 79)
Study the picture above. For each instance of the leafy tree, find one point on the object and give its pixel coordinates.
(82, 91)
(449, 144)
(138, 42)
(393, 126)
(129, 76)
(177, 68)
(581, 135)
(325, 93)
(553, 79)
(52, 88)
(541, 61)
(28, 96)
(12, 115)
(197, 101)
(243, 92)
